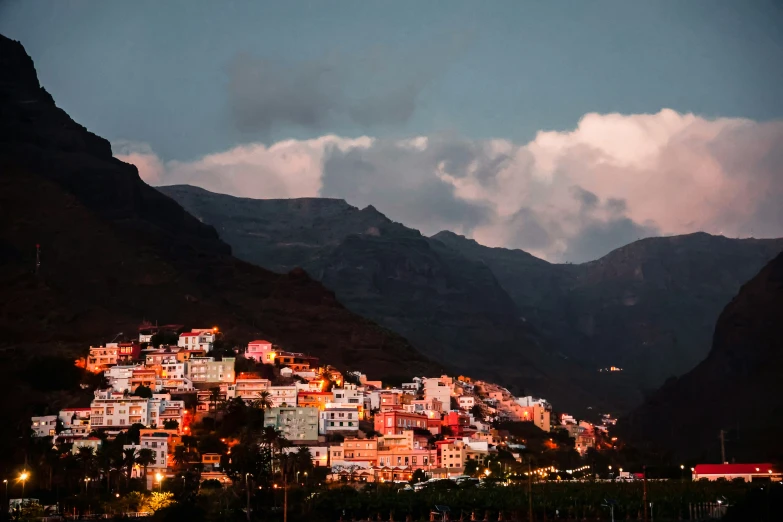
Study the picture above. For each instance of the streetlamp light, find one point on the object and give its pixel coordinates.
(487, 472)
(23, 477)
(159, 478)
(682, 471)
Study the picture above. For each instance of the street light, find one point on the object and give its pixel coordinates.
(23, 477)
(487, 472)
(159, 478)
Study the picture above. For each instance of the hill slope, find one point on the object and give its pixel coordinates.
(648, 307)
(114, 251)
(450, 306)
(736, 388)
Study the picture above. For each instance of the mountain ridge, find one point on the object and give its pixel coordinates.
(735, 388)
(609, 312)
(114, 250)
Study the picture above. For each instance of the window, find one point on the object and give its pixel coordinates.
(413, 460)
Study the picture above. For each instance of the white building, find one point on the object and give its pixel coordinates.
(76, 422)
(296, 423)
(199, 338)
(533, 401)
(282, 395)
(438, 388)
(113, 410)
(90, 442)
(119, 376)
(207, 369)
(348, 394)
(411, 388)
(248, 386)
(466, 402)
(337, 417)
(44, 426)
(319, 455)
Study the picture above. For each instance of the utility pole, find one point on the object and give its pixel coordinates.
(285, 496)
(37, 257)
(529, 492)
(247, 489)
(644, 495)
(722, 447)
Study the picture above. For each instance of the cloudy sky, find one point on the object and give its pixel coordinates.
(565, 129)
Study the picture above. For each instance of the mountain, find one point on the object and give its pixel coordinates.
(648, 307)
(114, 251)
(449, 306)
(736, 388)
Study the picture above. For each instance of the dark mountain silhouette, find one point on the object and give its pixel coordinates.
(114, 251)
(449, 306)
(648, 307)
(735, 389)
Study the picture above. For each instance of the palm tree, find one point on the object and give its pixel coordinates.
(262, 403)
(128, 460)
(214, 398)
(145, 458)
(104, 458)
(86, 457)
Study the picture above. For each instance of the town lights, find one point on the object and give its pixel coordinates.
(487, 472)
(682, 466)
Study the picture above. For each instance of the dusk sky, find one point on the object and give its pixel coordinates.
(566, 129)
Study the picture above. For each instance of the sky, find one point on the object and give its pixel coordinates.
(566, 129)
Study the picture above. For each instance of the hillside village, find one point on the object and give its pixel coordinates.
(353, 428)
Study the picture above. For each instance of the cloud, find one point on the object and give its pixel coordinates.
(568, 195)
(264, 94)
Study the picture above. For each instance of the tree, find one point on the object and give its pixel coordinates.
(471, 467)
(477, 411)
(170, 424)
(86, 457)
(158, 500)
(143, 392)
(128, 461)
(304, 460)
(214, 398)
(261, 404)
(419, 476)
(145, 458)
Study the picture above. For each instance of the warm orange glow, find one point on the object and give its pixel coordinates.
(215, 329)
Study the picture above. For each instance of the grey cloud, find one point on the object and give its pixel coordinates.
(263, 94)
(597, 238)
(586, 199)
(400, 183)
(528, 231)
